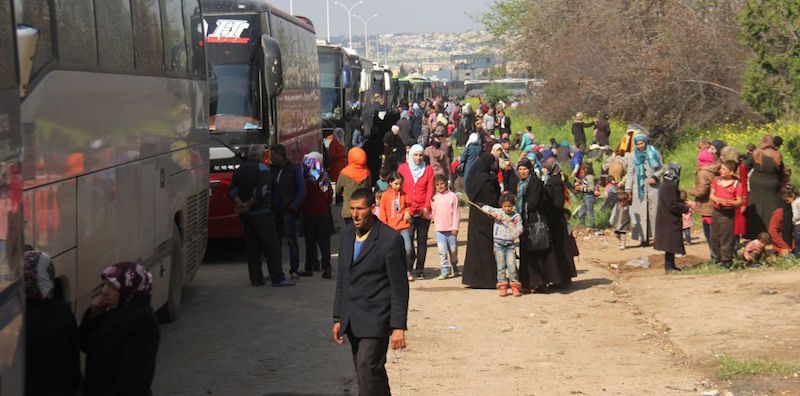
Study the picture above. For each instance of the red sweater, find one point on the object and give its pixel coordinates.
(317, 203)
(776, 232)
(419, 193)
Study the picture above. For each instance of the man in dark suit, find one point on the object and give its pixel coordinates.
(371, 301)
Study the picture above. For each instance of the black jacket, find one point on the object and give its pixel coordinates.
(52, 363)
(578, 133)
(120, 347)
(253, 178)
(669, 223)
(372, 291)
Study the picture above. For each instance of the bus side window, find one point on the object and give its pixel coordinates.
(194, 38)
(36, 13)
(174, 36)
(114, 34)
(147, 39)
(76, 32)
(8, 67)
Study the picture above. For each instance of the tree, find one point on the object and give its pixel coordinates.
(657, 62)
(772, 81)
(495, 93)
(497, 72)
(402, 72)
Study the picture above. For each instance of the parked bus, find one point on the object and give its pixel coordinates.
(515, 86)
(115, 143)
(264, 88)
(340, 80)
(12, 284)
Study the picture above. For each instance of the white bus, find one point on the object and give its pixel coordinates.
(115, 142)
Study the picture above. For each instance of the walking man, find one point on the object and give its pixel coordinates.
(250, 189)
(371, 302)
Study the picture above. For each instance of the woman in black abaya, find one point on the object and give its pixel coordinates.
(530, 203)
(558, 267)
(480, 270)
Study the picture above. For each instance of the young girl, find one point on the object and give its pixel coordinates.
(687, 219)
(754, 250)
(395, 210)
(446, 218)
(726, 195)
(507, 228)
(621, 217)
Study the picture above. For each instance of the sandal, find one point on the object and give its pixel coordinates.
(410, 277)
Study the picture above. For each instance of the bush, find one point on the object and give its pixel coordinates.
(602, 218)
(496, 92)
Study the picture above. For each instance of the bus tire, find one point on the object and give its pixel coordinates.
(170, 310)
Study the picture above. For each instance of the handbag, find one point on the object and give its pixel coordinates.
(535, 234)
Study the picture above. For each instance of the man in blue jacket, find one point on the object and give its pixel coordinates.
(371, 303)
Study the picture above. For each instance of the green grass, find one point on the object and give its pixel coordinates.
(773, 262)
(734, 369)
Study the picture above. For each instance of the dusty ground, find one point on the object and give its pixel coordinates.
(615, 332)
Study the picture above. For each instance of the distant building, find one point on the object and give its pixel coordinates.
(473, 66)
(441, 75)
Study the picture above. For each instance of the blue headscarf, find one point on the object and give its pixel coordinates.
(416, 170)
(653, 158)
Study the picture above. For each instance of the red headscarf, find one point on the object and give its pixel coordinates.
(356, 168)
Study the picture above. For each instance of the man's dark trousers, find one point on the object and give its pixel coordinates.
(261, 237)
(369, 359)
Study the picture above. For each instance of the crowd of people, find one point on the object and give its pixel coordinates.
(518, 229)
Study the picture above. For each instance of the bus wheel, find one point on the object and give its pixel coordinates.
(169, 311)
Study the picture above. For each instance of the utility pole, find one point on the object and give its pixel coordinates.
(365, 22)
(349, 20)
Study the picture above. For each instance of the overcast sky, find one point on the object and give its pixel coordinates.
(394, 16)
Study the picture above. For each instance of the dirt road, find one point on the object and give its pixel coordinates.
(619, 334)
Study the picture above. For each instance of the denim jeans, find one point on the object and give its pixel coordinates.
(687, 235)
(797, 240)
(287, 228)
(406, 242)
(446, 244)
(707, 234)
(506, 260)
(587, 207)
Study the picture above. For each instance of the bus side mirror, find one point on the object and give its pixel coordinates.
(273, 68)
(26, 46)
(387, 81)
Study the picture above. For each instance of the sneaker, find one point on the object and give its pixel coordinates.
(420, 274)
(326, 274)
(284, 283)
(454, 271)
(295, 276)
(622, 246)
(444, 276)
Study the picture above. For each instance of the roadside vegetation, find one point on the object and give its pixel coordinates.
(731, 369)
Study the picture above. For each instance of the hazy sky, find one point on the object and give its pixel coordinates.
(394, 16)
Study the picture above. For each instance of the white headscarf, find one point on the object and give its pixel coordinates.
(416, 170)
(473, 138)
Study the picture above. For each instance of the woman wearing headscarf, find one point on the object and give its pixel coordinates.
(437, 155)
(418, 186)
(765, 186)
(470, 154)
(557, 265)
(480, 270)
(644, 177)
(354, 176)
(530, 205)
(120, 335)
(668, 238)
(563, 152)
(707, 169)
(337, 150)
(394, 150)
(52, 363)
(317, 221)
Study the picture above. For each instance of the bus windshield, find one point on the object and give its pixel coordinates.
(330, 85)
(234, 80)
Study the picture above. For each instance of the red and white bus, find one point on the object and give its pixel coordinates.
(264, 88)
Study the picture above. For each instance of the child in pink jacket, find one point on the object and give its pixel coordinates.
(446, 218)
